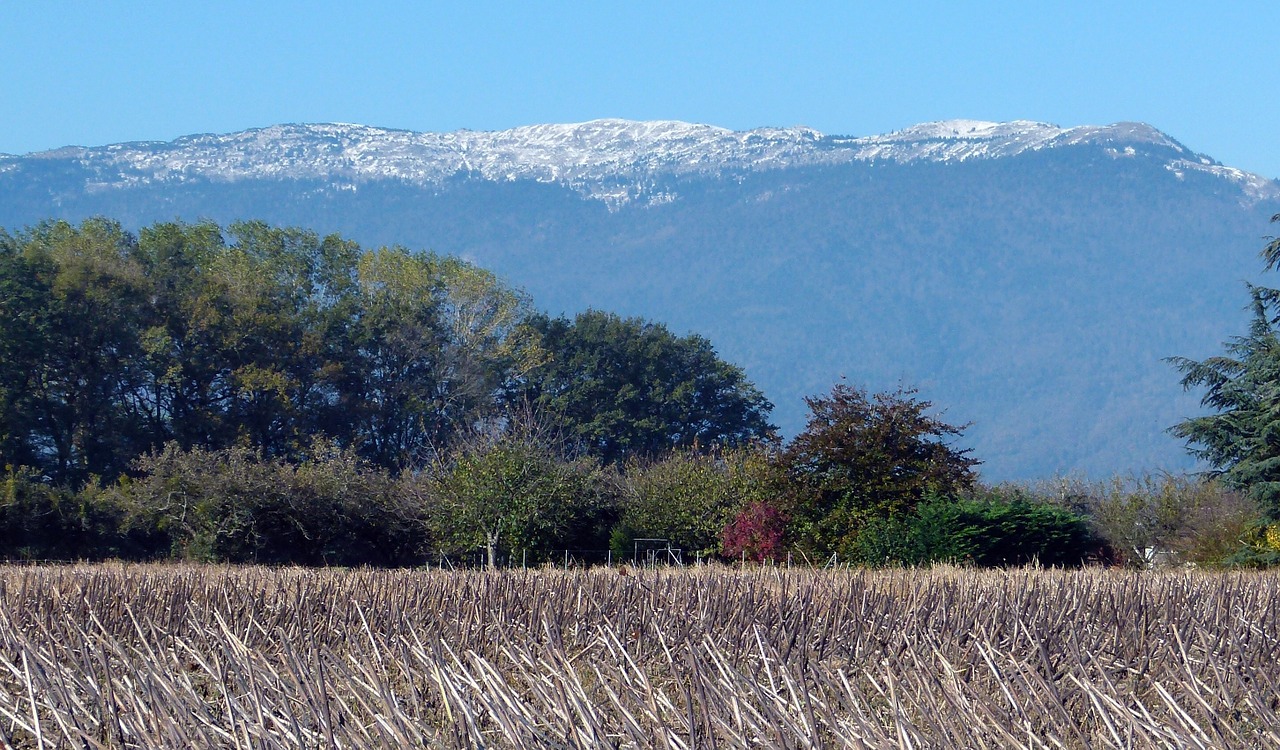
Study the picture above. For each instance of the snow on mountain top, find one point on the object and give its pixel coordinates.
(610, 159)
(967, 130)
(959, 140)
(1027, 132)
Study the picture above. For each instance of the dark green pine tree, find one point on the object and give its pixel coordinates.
(1241, 439)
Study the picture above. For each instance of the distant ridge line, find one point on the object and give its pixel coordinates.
(606, 159)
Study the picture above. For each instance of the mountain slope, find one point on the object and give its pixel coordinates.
(1028, 277)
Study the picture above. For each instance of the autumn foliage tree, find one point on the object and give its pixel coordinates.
(866, 456)
(757, 533)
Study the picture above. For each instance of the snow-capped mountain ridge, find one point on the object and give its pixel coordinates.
(958, 140)
(608, 159)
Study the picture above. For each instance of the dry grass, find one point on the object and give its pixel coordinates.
(169, 657)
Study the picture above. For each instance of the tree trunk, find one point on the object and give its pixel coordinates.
(491, 549)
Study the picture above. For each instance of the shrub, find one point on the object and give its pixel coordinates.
(690, 498)
(234, 505)
(756, 533)
(982, 530)
(41, 521)
(1199, 521)
(513, 491)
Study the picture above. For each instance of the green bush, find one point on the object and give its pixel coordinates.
(1258, 546)
(984, 530)
(513, 493)
(1198, 520)
(1253, 557)
(686, 498)
(41, 521)
(690, 496)
(234, 505)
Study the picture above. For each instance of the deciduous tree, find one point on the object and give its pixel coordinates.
(510, 490)
(864, 456)
(627, 388)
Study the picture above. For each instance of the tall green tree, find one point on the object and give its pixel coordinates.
(392, 377)
(183, 341)
(25, 316)
(1240, 440)
(274, 345)
(436, 342)
(491, 348)
(625, 388)
(84, 298)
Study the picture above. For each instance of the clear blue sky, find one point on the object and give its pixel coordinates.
(94, 73)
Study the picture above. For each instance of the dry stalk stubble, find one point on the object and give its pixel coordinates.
(121, 656)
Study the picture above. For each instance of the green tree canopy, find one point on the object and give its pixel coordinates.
(625, 387)
(112, 345)
(510, 490)
(71, 323)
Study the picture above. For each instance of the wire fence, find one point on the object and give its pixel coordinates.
(563, 558)
(638, 557)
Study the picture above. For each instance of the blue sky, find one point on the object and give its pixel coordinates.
(94, 73)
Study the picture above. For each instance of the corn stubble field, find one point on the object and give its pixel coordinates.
(188, 656)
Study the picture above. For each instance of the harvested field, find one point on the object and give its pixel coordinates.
(187, 656)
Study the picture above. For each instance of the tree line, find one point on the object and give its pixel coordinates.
(114, 345)
(262, 394)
